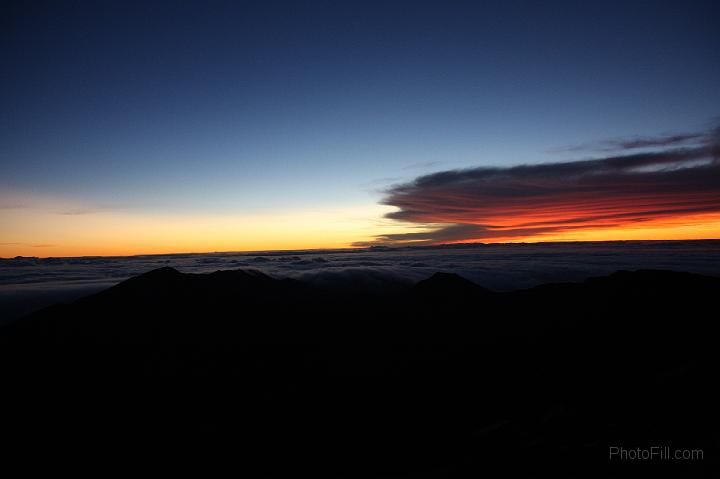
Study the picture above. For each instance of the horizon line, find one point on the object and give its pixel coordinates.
(373, 247)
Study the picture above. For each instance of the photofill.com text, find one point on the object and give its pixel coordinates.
(655, 453)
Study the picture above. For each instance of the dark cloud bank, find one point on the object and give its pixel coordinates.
(678, 178)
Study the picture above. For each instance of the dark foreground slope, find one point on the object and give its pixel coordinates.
(273, 377)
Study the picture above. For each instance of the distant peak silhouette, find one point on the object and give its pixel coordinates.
(448, 285)
(160, 273)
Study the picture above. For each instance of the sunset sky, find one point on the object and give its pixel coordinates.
(161, 127)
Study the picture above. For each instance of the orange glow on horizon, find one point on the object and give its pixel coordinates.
(41, 230)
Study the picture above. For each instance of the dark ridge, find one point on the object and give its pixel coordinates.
(448, 285)
(165, 272)
(266, 377)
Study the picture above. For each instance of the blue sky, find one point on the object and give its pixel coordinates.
(269, 106)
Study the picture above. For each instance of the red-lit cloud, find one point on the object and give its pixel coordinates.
(530, 201)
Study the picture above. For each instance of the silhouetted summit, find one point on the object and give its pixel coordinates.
(448, 285)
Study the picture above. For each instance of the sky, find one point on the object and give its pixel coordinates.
(162, 127)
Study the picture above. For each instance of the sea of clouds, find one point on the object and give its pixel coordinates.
(27, 284)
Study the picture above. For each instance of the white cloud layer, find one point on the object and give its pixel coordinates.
(26, 283)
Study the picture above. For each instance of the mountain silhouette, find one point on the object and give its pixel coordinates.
(448, 285)
(273, 377)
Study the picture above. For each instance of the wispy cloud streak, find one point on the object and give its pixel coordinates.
(638, 142)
